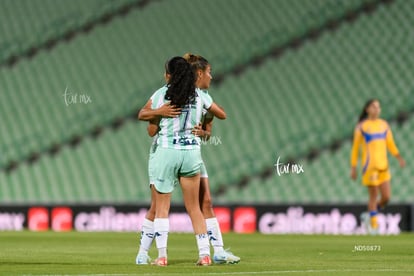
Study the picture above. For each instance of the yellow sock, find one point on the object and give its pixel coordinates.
(374, 222)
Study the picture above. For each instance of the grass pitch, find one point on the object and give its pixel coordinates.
(74, 253)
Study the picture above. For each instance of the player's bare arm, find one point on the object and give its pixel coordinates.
(217, 111)
(166, 110)
(153, 127)
(401, 161)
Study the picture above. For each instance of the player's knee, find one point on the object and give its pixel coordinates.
(207, 204)
(151, 212)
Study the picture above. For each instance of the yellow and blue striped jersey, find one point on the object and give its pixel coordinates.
(374, 137)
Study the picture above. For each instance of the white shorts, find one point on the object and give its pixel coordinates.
(203, 171)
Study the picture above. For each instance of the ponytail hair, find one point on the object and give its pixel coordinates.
(181, 86)
(364, 113)
(197, 62)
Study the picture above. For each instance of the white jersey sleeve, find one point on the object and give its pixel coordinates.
(157, 98)
(206, 99)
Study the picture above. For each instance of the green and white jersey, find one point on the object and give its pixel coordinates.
(154, 144)
(176, 132)
(206, 114)
(157, 97)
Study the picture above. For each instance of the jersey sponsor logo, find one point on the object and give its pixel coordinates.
(185, 141)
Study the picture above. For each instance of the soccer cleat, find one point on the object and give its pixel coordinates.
(142, 259)
(365, 220)
(204, 261)
(162, 261)
(225, 257)
(374, 231)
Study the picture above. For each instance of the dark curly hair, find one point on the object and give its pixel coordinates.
(181, 86)
(364, 113)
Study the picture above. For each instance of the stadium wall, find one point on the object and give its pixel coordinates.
(266, 219)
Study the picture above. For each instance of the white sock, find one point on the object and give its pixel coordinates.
(147, 236)
(161, 228)
(203, 245)
(214, 234)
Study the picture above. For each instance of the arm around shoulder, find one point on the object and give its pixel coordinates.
(146, 113)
